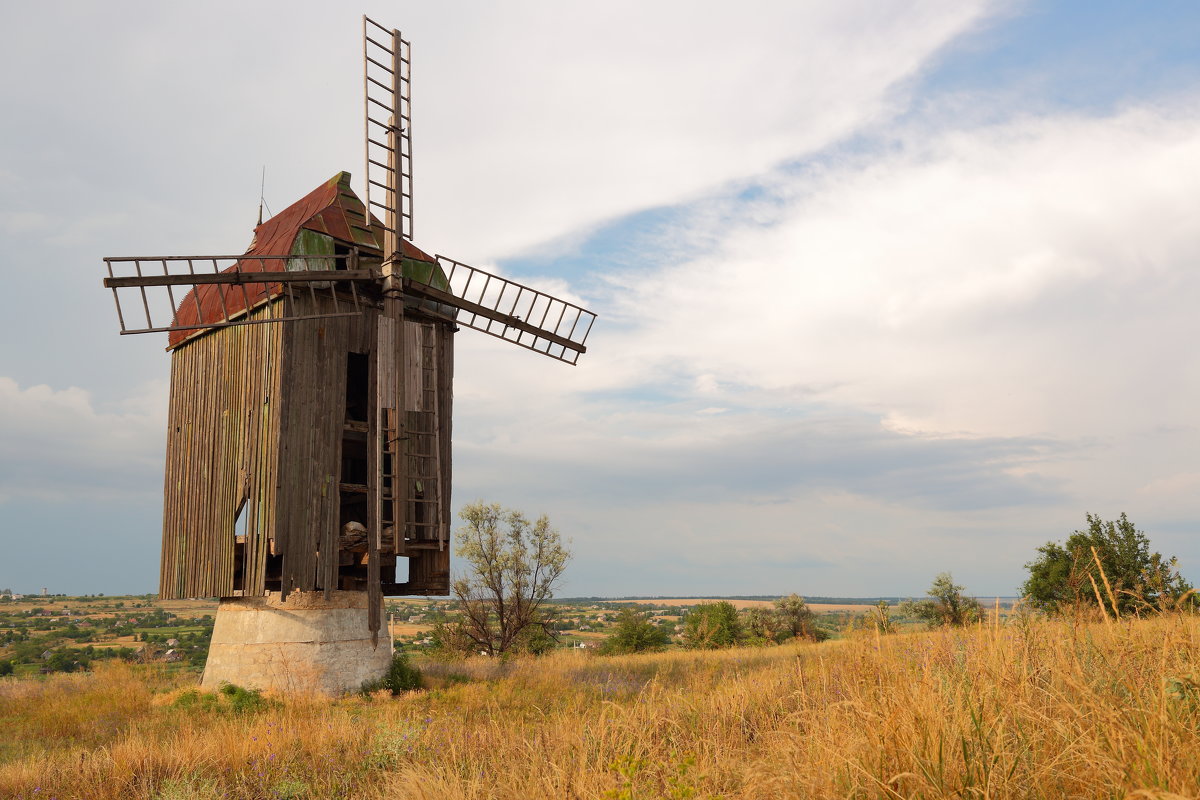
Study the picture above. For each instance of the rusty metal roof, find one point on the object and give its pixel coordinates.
(332, 209)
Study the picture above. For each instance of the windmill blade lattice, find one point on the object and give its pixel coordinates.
(388, 130)
(226, 290)
(508, 310)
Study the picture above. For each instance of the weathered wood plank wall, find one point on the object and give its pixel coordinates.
(314, 409)
(222, 427)
(257, 418)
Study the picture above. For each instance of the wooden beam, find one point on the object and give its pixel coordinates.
(298, 276)
(428, 292)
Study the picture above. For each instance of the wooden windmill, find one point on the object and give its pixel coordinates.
(308, 446)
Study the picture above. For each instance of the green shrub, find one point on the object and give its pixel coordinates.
(242, 701)
(634, 632)
(230, 698)
(709, 626)
(400, 677)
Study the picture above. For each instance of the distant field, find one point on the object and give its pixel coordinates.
(194, 608)
(693, 601)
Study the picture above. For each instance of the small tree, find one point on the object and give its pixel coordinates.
(881, 617)
(710, 626)
(1067, 575)
(946, 604)
(794, 616)
(634, 632)
(761, 627)
(512, 566)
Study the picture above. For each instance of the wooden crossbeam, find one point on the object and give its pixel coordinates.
(300, 276)
(428, 292)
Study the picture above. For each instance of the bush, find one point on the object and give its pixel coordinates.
(400, 677)
(635, 633)
(1128, 576)
(67, 660)
(712, 625)
(243, 701)
(794, 618)
(946, 605)
(6, 668)
(229, 699)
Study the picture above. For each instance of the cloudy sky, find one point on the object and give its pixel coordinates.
(885, 288)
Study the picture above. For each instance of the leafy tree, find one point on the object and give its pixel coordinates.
(1067, 576)
(761, 627)
(512, 566)
(946, 604)
(66, 660)
(634, 632)
(710, 626)
(794, 616)
(6, 668)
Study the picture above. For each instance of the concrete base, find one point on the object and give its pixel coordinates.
(307, 644)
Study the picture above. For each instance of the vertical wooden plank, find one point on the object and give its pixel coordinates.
(375, 462)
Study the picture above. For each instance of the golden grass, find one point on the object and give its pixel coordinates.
(1028, 709)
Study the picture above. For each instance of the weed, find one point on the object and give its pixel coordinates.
(230, 698)
(289, 789)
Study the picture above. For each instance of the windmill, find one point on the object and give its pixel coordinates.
(308, 448)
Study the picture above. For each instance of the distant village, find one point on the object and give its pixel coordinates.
(45, 632)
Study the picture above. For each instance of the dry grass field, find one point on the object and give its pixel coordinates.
(1029, 708)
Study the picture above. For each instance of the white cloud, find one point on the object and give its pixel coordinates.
(58, 446)
(1031, 277)
(532, 119)
(878, 368)
(981, 321)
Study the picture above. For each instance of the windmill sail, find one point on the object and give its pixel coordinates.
(388, 131)
(506, 309)
(225, 290)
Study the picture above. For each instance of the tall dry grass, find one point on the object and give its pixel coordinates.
(1030, 709)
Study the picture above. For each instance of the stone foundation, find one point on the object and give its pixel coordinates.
(307, 644)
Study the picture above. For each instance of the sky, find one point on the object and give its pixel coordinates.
(885, 289)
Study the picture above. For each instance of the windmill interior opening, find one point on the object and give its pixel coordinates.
(354, 480)
(239, 548)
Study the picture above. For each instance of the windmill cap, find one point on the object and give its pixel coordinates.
(332, 209)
